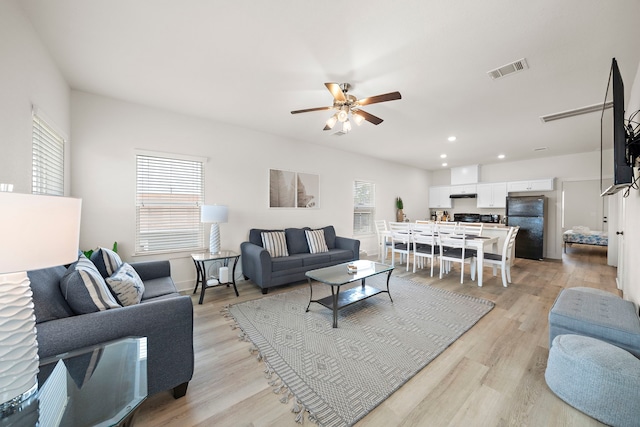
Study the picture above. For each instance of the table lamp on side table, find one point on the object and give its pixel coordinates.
(35, 232)
(214, 214)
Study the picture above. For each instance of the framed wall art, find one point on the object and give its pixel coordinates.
(295, 190)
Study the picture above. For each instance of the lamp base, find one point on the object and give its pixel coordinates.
(20, 403)
(18, 346)
(214, 238)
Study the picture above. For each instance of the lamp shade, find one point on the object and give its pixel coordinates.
(37, 231)
(214, 213)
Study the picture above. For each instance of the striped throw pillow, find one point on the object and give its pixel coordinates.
(315, 239)
(84, 288)
(275, 243)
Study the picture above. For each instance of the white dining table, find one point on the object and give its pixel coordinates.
(475, 242)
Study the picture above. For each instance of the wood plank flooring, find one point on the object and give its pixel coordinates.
(492, 376)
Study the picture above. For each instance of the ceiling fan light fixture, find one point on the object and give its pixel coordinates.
(332, 121)
(343, 115)
(358, 118)
(346, 126)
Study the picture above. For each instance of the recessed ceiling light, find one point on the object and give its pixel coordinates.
(444, 164)
(443, 156)
(501, 156)
(451, 138)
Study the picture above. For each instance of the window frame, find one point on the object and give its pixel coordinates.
(47, 157)
(176, 208)
(362, 209)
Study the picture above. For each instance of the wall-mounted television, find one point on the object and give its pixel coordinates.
(624, 142)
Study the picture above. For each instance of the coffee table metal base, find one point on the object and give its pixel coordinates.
(337, 300)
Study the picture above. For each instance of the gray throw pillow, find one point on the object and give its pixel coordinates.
(84, 288)
(106, 261)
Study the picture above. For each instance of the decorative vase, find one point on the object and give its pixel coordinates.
(399, 215)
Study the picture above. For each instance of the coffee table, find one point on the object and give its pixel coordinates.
(338, 275)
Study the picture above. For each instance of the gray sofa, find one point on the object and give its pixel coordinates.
(268, 272)
(163, 316)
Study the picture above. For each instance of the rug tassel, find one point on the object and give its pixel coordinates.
(300, 417)
(312, 419)
(274, 382)
(287, 396)
(268, 372)
(296, 407)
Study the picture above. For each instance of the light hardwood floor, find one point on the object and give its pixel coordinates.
(492, 376)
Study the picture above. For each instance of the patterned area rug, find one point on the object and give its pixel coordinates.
(337, 376)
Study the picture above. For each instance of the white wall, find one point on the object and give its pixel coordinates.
(107, 132)
(28, 76)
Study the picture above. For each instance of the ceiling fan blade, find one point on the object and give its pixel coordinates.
(336, 91)
(368, 117)
(392, 96)
(311, 109)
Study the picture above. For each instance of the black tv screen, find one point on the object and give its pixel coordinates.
(622, 170)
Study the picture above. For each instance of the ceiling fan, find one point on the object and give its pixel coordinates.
(348, 106)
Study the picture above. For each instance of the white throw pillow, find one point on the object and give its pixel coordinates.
(275, 243)
(316, 241)
(126, 285)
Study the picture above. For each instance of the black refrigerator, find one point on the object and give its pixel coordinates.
(528, 213)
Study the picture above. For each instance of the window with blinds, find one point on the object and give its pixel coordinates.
(364, 196)
(47, 159)
(169, 193)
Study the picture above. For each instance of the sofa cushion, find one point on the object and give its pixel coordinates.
(312, 260)
(287, 263)
(106, 261)
(84, 288)
(255, 235)
(275, 243)
(296, 240)
(126, 285)
(316, 241)
(48, 303)
(330, 236)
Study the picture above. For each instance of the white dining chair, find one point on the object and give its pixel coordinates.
(400, 241)
(425, 245)
(503, 260)
(384, 239)
(453, 249)
(470, 230)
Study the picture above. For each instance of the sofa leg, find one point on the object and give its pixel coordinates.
(265, 291)
(180, 391)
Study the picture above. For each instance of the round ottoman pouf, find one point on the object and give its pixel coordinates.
(595, 377)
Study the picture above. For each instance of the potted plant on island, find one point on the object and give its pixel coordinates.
(399, 207)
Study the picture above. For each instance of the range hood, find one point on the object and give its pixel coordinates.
(463, 196)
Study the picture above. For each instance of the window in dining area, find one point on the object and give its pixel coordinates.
(364, 196)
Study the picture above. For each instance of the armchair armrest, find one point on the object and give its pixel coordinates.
(256, 263)
(148, 270)
(349, 244)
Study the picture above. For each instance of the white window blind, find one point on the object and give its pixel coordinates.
(169, 193)
(364, 196)
(47, 159)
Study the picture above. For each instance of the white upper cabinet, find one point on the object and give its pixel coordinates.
(492, 195)
(439, 197)
(532, 185)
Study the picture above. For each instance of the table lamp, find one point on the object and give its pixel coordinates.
(36, 232)
(214, 214)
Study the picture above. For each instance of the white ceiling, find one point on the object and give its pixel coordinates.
(251, 62)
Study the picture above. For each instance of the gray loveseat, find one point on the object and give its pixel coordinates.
(267, 272)
(163, 316)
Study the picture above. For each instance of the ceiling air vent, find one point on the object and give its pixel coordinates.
(505, 70)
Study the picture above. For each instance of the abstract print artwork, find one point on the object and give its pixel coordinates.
(293, 189)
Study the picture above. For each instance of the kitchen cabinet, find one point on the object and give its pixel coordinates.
(492, 195)
(463, 189)
(531, 185)
(439, 197)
